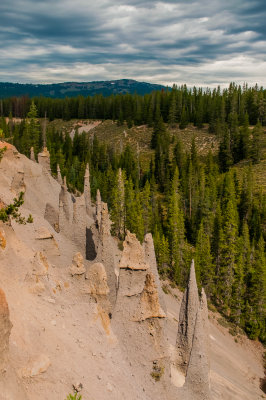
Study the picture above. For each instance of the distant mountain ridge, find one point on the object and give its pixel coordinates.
(71, 89)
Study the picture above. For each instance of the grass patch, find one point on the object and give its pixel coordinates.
(157, 372)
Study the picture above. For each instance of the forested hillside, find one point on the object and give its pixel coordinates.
(196, 204)
(73, 89)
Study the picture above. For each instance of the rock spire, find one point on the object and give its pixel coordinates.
(87, 189)
(192, 341)
(187, 317)
(44, 159)
(59, 176)
(32, 155)
(98, 208)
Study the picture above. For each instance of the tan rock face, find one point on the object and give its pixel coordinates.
(187, 318)
(44, 159)
(104, 218)
(43, 233)
(133, 256)
(149, 306)
(5, 326)
(97, 278)
(77, 267)
(2, 240)
(18, 184)
(36, 366)
(40, 264)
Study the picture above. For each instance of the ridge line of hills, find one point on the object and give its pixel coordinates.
(70, 89)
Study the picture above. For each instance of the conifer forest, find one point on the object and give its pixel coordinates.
(195, 206)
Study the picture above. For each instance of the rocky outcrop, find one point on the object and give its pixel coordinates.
(97, 280)
(197, 382)
(98, 288)
(52, 216)
(104, 221)
(79, 224)
(32, 155)
(40, 264)
(133, 256)
(77, 267)
(98, 209)
(2, 239)
(44, 159)
(18, 184)
(59, 176)
(36, 366)
(106, 248)
(192, 342)
(187, 318)
(5, 327)
(150, 257)
(149, 306)
(87, 190)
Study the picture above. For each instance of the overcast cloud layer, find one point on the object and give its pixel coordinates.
(202, 43)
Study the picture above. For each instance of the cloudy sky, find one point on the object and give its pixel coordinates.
(201, 42)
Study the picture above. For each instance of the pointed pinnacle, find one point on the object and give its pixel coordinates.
(87, 171)
(192, 283)
(59, 176)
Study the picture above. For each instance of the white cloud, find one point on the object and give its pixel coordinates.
(197, 42)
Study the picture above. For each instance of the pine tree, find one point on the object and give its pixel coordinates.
(244, 141)
(162, 251)
(133, 211)
(256, 296)
(255, 150)
(184, 119)
(203, 260)
(32, 132)
(118, 205)
(146, 207)
(176, 230)
(228, 251)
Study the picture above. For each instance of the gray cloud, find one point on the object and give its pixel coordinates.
(197, 42)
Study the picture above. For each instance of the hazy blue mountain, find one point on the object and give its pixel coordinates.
(70, 89)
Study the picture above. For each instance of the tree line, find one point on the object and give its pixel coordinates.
(180, 105)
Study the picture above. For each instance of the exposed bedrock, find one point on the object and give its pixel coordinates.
(5, 327)
(193, 342)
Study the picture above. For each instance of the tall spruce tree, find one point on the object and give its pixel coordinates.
(118, 205)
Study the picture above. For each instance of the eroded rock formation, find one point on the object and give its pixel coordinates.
(192, 342)
(32, 155)
(87, 190)
(5, 327)
(97, 280)
(187, 318)
(77, 267)
(149, 306)
(59, 176)
(133, 256)
(44, 159)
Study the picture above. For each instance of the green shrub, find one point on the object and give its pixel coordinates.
(74, 397)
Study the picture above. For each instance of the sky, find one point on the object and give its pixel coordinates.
(201, 42)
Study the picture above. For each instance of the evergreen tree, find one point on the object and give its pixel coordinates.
(176, 230)
(203, 260)
(146, 207)
(255, 150)
(118, 205)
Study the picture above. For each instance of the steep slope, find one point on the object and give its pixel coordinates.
(85, 313)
